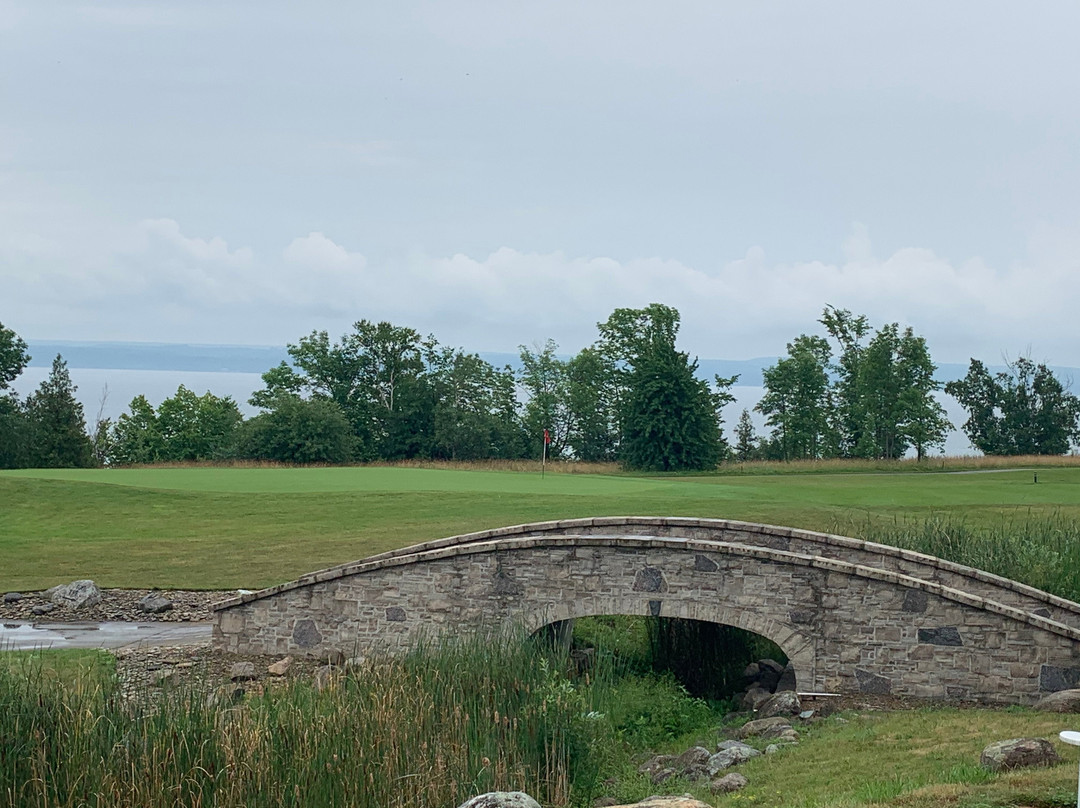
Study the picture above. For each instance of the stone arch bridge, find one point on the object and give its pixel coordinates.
(852, 616)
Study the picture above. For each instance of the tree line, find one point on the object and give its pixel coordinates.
(384, 392)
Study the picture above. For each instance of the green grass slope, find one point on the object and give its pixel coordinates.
(251, 527)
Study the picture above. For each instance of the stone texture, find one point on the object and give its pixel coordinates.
(76, 595)
(242, 671)
(155, 604)
(779, 704)
(1063, 701)
(732, 756)
(761, 726)
(281, 667)
(728, 783)
(12, 597)
(501, 799)
(860, 614)
(1017, 753)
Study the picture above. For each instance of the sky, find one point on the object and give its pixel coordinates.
(500, 173)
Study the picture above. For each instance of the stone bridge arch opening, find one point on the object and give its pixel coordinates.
(712, 660)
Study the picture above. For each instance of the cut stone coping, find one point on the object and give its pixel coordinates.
(830, 539)
(422, 555)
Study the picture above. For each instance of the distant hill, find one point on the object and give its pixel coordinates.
(260, 358)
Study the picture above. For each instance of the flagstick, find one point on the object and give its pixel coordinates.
(543, 463)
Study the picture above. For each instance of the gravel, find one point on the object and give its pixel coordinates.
(119, 605)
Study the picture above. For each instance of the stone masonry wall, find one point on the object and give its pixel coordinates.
(846, 627)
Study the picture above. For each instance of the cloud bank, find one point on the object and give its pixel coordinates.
(155, 282)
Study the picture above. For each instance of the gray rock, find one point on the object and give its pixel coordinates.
(1018, 753)
(242, 671)
(732, 756)
(1064, 701)
(155, 604)
(655, 764)
(728, 783)
(785, 703)
(324, 677)
(662, 775)
(752, 729)
(76, 594)
(13, 597)
(43, 608)
(281, 667)
(754, 697)
(694, 756)
(787, 679)
(806, 715)
(501, 799)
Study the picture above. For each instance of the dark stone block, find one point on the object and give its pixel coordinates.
(914, 601)
(1041, 613)
(649, 579)
(872, 683)
(505, 585)
(705, 564)
(1053, 678)
(802, 616)
(395, 614)
(305, 634)
(946, 635)
(654, 608)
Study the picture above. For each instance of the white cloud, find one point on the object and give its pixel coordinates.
(156, 282)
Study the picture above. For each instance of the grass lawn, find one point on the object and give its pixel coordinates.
(210, 527)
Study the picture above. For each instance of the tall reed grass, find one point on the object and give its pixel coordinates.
(427, 730)
(1038, 550)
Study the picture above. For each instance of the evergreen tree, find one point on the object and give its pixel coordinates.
(56, 427)
(671, 421)
(746, 439)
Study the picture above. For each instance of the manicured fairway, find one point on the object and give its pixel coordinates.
(234, 527)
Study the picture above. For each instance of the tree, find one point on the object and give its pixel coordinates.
(592, 401)
(1025, 410)
(884, 389)
(13, 356)
(56, 427)
(798, 401)
(195, 427)
(295, 430)
(543, 376)
(746, 439)
(374, 374)
(671, 421)
(136, 438)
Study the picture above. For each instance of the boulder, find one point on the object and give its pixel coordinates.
(732, 756)
(13, 597)
(655, 764)
(76, 595)
(42, 608)
(280, 668)
(784, 703)
(501, 799)
(728, 783)
(242, 671)
(787, 679)
(155, 604)
(761, 726)
(1018, 753)
(694, 756)
(1063, 701)
(754, 697)
(769, 673)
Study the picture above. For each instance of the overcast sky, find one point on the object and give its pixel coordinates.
(502, 172)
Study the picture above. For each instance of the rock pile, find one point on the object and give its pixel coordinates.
(765, 678)
(83, 600)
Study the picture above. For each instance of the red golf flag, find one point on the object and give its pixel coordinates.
(547, 436)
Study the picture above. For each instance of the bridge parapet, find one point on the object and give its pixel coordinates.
(846, 625)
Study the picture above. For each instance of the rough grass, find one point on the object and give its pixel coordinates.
(218, 528)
